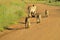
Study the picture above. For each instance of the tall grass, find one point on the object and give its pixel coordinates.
(49, 2)
(10, 12)
(35, 1)
(54, 3)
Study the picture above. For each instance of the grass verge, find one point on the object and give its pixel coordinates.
(10, 12)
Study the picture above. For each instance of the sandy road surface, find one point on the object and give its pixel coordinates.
(48, 29)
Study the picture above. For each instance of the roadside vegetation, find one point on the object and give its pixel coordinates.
(10, 12)
(49, 2)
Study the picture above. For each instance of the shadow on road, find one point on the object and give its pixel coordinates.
(15, 28)
(44, 16)
(21, 22)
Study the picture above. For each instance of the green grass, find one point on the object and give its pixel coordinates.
(34, 2)
(54, 3)
(44, 2)
(10, 12)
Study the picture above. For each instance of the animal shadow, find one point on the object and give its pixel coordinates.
(21, 22)
(15, 28)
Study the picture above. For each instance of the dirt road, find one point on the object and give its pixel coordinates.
(48, 29)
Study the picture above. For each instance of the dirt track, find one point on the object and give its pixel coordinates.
(48, 29)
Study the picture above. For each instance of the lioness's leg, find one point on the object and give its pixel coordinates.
(27, 22)
(46, 13)
(38, 18)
